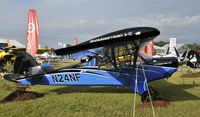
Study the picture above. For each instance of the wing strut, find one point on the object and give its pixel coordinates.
(114, 58)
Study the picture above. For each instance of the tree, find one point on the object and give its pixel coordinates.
(46, 46)
(193, 46)
(160, 43)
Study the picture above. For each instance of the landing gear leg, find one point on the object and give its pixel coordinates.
(145, 96)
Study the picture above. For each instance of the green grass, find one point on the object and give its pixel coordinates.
(60, 101)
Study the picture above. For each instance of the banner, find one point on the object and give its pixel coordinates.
(75, 40)
(32, 31)
(149, 49)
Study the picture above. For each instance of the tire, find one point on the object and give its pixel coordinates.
(145, 96)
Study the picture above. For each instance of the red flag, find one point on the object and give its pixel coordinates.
(32, 32)
(149, 49)
(75, 40)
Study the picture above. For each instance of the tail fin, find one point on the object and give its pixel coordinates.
(32, 32)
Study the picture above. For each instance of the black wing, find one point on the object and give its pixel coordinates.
(138, 35)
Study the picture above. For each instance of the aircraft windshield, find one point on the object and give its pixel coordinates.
(116, 56)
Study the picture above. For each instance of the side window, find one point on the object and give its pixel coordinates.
(116, 55)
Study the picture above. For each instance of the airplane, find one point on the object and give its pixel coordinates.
(167, 59)
(109, 71)
(5, 56)
(175, 53)
(169, 53)
(192, 58)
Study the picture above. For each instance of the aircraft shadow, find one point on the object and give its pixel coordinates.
(176, 92)
(166, 90)
(92, 89)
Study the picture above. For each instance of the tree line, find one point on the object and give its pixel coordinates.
(193, 46)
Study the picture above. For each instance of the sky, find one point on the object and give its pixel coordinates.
(62, 20)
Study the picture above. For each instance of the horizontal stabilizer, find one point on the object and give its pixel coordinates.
(39, 71)
(15, 77)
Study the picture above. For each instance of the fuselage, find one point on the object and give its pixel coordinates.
(126, 76)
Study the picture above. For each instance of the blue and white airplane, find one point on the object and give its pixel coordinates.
(109, 70)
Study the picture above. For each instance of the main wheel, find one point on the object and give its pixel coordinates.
(146, 98)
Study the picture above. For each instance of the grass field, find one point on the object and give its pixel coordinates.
(60, 101)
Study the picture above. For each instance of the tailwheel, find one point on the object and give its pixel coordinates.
(146, 98)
